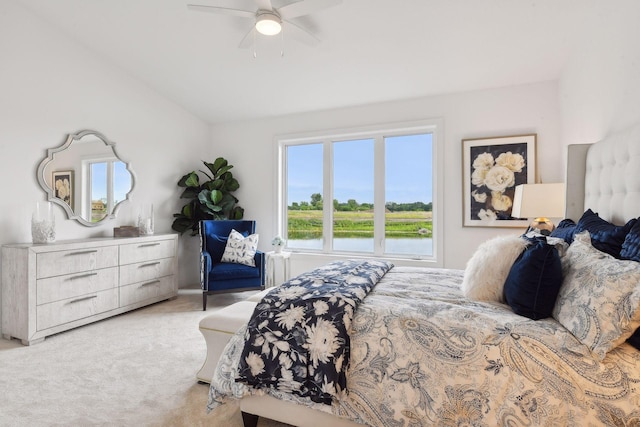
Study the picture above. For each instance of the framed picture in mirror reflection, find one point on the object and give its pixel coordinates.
(63, 186)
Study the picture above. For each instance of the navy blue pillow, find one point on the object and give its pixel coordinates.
(565, 230)
(605, 236)
(631, 246)
(534, 280)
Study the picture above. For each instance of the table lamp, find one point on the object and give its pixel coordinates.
(541, 202)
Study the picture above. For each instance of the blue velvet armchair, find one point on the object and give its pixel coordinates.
(219, 277)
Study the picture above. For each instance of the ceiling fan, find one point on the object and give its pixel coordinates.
(268, 20)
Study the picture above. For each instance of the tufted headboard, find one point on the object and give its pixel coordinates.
(605, 177)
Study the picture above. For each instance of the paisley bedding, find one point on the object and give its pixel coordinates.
(422, 355)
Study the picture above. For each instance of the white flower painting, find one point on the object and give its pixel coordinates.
(493, 167)
(63, 186)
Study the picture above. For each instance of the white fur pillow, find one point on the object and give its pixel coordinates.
(489, 267)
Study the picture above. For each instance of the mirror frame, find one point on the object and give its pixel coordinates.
(50, 191)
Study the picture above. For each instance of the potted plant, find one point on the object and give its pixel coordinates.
(278, 244)
(212, 199)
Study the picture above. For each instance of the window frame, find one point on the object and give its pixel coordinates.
(377, 133)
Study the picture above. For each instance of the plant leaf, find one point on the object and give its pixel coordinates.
(190, 193)
(217, 196)
(236, 213)
(232, 184)
(187, 210)
(216, 165)
(216, 184)
(181, 224)
(189, 180)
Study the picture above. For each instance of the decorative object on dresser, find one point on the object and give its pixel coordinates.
(86, 177)
(492, 167)
(43, 223)
(146, 221)
(126, 231)
(213, 199)
(48, 289)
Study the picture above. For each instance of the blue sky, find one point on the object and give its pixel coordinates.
(408, 170)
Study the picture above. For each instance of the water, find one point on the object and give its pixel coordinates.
(421, 247)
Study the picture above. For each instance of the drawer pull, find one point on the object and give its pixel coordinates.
(82, 299)
(149, 264)
(148, 244)
(150, 283)
(82, 276)
(82, 252)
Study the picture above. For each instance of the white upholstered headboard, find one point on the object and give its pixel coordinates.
(605, 177)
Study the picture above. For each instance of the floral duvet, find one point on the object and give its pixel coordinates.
(422, 355)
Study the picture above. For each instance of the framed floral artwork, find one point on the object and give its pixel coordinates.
(63, 186)
(492, 167)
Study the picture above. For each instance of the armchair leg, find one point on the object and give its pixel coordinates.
(204, 300)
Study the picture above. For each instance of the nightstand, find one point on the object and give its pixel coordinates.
(278, 266)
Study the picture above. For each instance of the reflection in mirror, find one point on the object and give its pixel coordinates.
(86, 177)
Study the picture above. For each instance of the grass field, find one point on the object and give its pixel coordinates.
(308, 224)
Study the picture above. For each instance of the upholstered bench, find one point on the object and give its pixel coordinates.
(219, 327)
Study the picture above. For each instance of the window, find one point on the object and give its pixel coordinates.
(369, 192)
(107, 184)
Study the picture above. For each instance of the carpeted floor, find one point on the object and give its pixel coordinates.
(136, 369)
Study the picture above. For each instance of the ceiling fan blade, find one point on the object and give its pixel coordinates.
(264, 4)
(303, 35)
(222, 10)
(247, 40)
(305, 7)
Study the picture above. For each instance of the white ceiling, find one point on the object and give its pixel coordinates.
(371, 50)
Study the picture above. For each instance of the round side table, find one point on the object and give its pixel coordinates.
(278, 266)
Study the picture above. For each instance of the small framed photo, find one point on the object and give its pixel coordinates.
(63, 186)
(492, 168)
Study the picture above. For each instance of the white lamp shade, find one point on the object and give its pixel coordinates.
(539, 200)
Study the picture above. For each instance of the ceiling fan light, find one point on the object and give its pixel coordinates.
(268, 24)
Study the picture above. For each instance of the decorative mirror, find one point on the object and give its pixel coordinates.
(86, 177)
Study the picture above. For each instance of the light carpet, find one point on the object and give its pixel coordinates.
(135, 369)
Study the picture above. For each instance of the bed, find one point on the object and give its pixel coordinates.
(424, 349)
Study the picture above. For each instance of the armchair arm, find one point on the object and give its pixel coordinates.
(260, 263)
(205, 268)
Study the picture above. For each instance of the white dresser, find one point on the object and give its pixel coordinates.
(49, 288)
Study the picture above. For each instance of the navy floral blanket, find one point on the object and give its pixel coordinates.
(297, 340)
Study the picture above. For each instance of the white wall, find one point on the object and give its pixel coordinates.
(51, 86)
(249, 146)
(600, 84)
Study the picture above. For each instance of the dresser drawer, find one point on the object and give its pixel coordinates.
(57, 263)
(64, 311)
(147, 270)
(147, 251)
(142, 291)
(72, 285)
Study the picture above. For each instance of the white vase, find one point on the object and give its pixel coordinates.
(145, 221)
(277, 249)
(43, 223)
